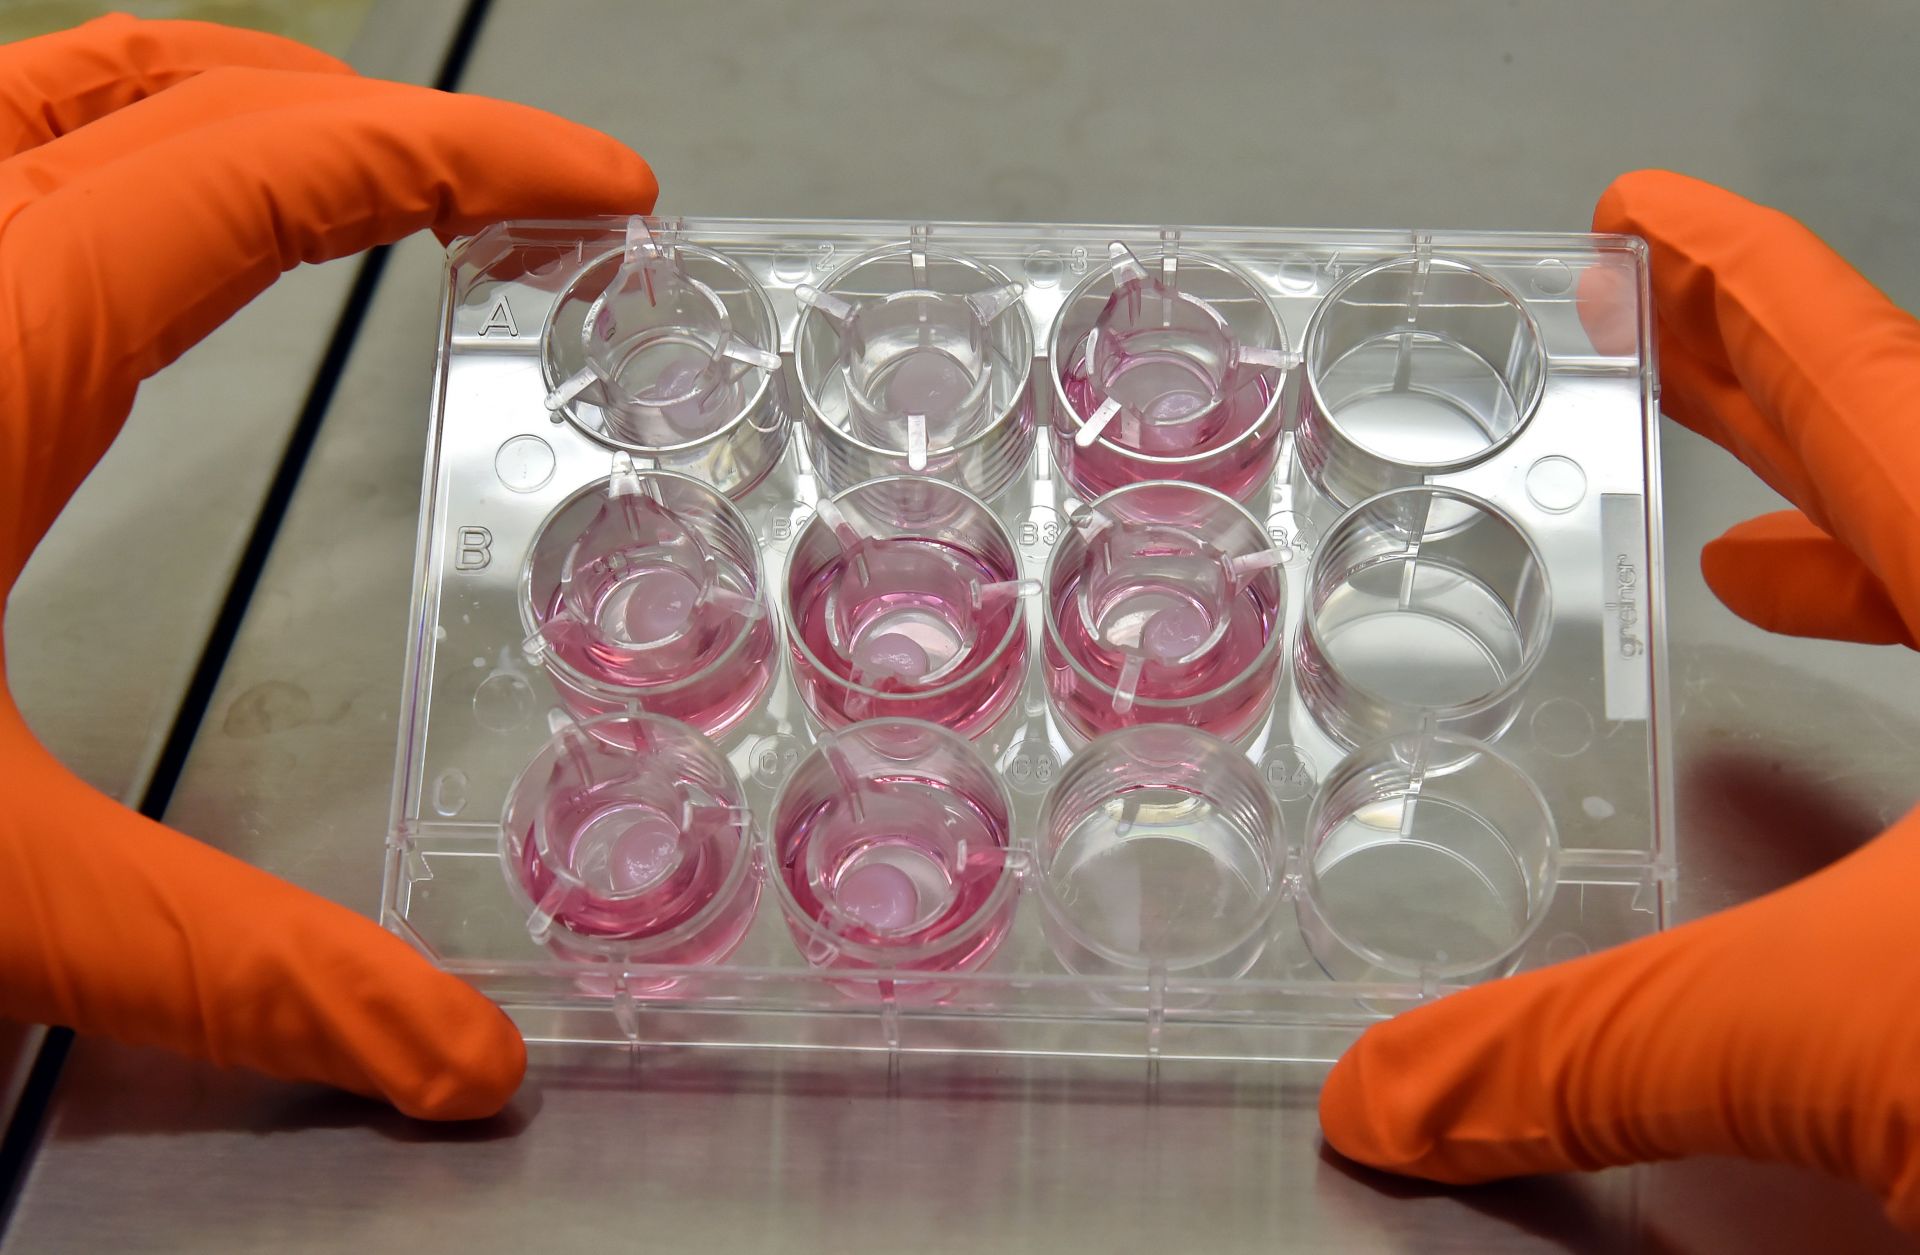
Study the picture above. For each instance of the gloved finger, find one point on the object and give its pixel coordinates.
(1826, 367)
(1783, 573)
(127, 265)
(1608, 303)
(1734, 1034)
(1696, 391)
(1712, 389)
(57, 83)
(216, 98)
(118, 926)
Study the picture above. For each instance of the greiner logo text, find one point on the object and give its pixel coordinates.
(1626, 606)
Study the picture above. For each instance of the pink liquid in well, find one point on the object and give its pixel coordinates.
(903, 624)
(1187, 413)
(1190, 645)
(644, 868)
(650, 632)
(904, 872)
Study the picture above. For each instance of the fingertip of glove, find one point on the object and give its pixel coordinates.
(1742, 568)
(1380, 1109)
(631, 186)
(624, 180)
(478, 1070)
(1619, 206)
(1722, 562)
(1340, 1105)
(564, 170)
(642, 185)
(1355, 1120)
(1782, 573)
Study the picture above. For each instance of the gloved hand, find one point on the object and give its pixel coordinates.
(1788, 1028)
(154, 177)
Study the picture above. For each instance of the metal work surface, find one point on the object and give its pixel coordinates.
(1788, 752)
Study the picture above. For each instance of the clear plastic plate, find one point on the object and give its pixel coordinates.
(1481, 687)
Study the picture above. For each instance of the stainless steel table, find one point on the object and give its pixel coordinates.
(1480, 113)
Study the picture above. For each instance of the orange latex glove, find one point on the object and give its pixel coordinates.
(1789, 1027)
(154, 177)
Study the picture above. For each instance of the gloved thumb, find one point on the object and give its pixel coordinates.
(1781, 1030)
(119, 926)
(1782, 572)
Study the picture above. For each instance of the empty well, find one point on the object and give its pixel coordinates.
(1415, 366)
(1427, 857)
(1159, 848)
(1424, 607)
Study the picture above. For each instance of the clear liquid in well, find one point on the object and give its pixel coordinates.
(644, 599)
(1170, 611)
(1159, 874)
(652, 626)
(1174, 403)
(627, 849)
(917, 353)
(1214, 435)
(894, 884)
(922, 379)
(649, 605)
(1164, 387)
(905, 609)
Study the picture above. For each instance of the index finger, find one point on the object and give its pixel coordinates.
(125, 265)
